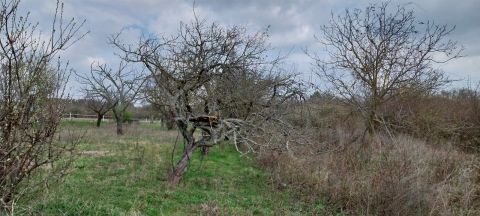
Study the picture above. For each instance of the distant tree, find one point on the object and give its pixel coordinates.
(99, 105)
(119, 88)
(380, 53)
(158, 99)
(75, 106)
(146, 111)
(32, 84)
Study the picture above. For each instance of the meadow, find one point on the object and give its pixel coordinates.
(127, 175)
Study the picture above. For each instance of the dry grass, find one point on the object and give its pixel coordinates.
(455, 119)
(390, 176)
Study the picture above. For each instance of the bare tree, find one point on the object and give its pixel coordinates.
(32, 83)
(99, 105)
(381, 53)
(187, 71)
(119, 88)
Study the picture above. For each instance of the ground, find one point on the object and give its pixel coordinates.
(128, 176)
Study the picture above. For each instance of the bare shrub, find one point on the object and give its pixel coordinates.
(32, 83)
(452, 116)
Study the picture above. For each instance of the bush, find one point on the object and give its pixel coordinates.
(127, 117)
(32, 90)
(399, 176)
(443, 118)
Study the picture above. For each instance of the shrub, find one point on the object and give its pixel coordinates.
(392, 176)
(127, 117)
(32, 87)
(443, 118)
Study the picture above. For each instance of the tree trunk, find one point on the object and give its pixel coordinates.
(119, 127)
(205, 150)
(168, 120)
(119, 119)
(99, 119)
(372, 120)
(371, 123)
(181, 167)
(170, 124)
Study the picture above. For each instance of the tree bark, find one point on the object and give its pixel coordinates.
(371, 126)
(181, 167)
(99, 119)
(119, 127)
(170, 124)
(119, 119)
(205, 150)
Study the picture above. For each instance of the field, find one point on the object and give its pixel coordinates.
(128, 176)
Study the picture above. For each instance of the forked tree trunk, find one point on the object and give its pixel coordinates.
(191, 146)
(181, 167)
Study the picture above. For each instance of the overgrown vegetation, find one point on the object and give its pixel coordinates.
(403, 170)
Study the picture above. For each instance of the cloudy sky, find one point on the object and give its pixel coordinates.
(293, 24)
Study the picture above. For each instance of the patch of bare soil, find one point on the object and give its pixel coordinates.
(95, 153)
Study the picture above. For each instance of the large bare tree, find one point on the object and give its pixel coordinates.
(120, 87)
(188, 71)
(382, 52)
(32, 83)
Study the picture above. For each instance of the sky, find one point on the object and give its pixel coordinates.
(292, 24)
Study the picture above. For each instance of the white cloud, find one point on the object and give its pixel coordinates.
(95, 60)
(466, 68)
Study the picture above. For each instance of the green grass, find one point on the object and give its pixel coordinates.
(127, 176)
(81, 123)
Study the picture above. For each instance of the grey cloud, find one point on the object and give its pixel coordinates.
(293, 23)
